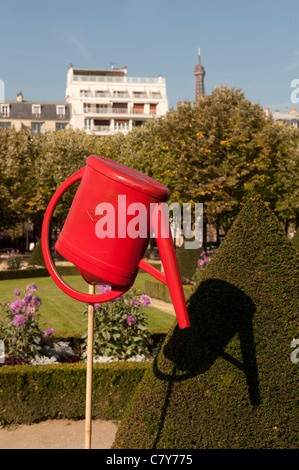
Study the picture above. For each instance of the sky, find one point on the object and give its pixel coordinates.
(253, 46)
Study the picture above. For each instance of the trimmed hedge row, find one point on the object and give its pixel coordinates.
(228, 382)
(33, 393)
(158, 290)
(43, 272)
(36, 272)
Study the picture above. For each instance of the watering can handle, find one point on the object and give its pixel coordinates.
(88, 298)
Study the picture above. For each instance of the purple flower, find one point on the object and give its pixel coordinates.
(19, 320)
(49, 331)
(31, 288)
(36, 302)
(27, 299)
(31, 311)
(16, 291)
(145, 300)
(135, 302)
(104, 289)
(16, 305)
(130, 320)
(96, 306)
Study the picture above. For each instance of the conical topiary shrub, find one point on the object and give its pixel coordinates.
(228, 381)
(187, 261)
(37, 258)
(295, 239)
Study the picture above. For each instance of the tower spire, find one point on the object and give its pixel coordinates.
(199, 73)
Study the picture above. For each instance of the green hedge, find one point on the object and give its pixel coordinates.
(33, 393)
(36, 272)
(187, 261)
(228, 381)
(158, 290)
(37, 258)
(295, 240)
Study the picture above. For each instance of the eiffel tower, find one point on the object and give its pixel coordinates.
(199, 73)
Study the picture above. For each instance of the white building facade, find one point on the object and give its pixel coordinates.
(289, 117)
(105, 102)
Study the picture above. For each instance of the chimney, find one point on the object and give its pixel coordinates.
(20, 97)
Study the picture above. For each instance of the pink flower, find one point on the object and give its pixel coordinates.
(135, 302)
(130, 320)
(16, 291)
(49, 331)
(27, 299)
(36, 302)
(201, 262)
(16, 305)
(19, 320)
(104, 289)
(31, 288)
(31, 311)
(206, 260)
(145, 300)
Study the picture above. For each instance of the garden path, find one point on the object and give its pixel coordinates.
(57, 434)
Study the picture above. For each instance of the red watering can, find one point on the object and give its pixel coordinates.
(100, 237)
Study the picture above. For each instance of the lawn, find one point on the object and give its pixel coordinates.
(63, 313)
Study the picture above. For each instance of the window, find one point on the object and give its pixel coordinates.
(102, 93)
(5, 110)
(60, 125)
(60, 110)
(121, 125)
(139, 94)
(138, 123)
(101, 108)
(138, 108)
(36, 110)
(153, 108)
(120, 108)
(88, 123)
(36, 127)
(120, 94)
(5, 124)
(85, 93)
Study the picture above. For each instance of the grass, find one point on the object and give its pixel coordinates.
(65, 314)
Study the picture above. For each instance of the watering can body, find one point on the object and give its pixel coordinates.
(95, 236)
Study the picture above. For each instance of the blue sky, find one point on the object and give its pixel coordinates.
(253, 45)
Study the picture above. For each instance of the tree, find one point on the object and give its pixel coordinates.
(218, 152)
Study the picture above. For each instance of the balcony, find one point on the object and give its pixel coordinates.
(108, 110)
(107, 79)
(102, 129)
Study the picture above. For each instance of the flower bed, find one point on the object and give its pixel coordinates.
(119, 331)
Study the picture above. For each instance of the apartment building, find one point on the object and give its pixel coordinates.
(35, 116)
(289, 117)
(108, 101)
